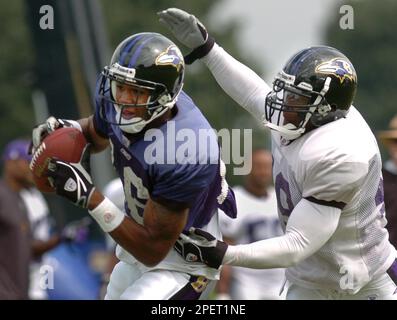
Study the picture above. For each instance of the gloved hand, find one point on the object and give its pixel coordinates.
(72, 180)
(189, 31)
(76, 231)
(51, 124)
(200, 246)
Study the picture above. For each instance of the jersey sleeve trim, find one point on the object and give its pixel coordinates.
(171, 204)
(392, 271)
(334, 204)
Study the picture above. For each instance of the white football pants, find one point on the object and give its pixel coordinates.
(380, 288)
(127, 282)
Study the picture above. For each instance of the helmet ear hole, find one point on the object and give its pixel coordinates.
(333, 114)
(324, 109)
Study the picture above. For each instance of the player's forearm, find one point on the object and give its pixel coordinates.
(241, 83)
(310, 226)
(279, 252)
(133, 237)
(98, 143)
(139, 242)
(148, 243)
(223, 285)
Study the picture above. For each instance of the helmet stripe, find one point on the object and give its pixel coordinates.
(138, 52)
(299, 57)
(126, 49)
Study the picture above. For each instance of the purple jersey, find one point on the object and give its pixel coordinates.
(176, 164)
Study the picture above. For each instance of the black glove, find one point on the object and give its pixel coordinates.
(200, 246)
(71, 180)
(189, 31)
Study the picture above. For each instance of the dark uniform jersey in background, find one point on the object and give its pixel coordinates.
(15, 245)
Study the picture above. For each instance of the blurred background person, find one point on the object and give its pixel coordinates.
(25, 227)
(46, 237)
(20, 178)
(389, 171)
(40, 228)
(15, 234)
(257, 219)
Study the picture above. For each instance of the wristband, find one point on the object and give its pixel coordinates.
(200, 51)
(108, 216)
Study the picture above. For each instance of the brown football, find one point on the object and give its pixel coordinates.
(66, 144)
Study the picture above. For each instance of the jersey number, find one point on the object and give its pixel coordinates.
(284, 199)
(131, 179)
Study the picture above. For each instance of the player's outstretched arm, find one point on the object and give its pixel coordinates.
(241, 83)
(309, 227)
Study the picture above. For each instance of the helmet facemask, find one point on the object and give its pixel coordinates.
(289, 107)
(156, 104)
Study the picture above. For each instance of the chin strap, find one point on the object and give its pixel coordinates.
(140, 124)
(288, 131)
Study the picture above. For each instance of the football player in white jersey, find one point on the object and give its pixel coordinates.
(326, 169)
(256, 220)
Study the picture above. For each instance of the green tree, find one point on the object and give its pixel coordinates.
(16, 64)
(372, 47)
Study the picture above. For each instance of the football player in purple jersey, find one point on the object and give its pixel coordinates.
(172, 179)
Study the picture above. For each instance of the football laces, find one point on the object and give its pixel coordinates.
(37, 154)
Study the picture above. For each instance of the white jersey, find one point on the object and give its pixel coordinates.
(38, 213)
(337, 164)
(257, 219)
(38, 216)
